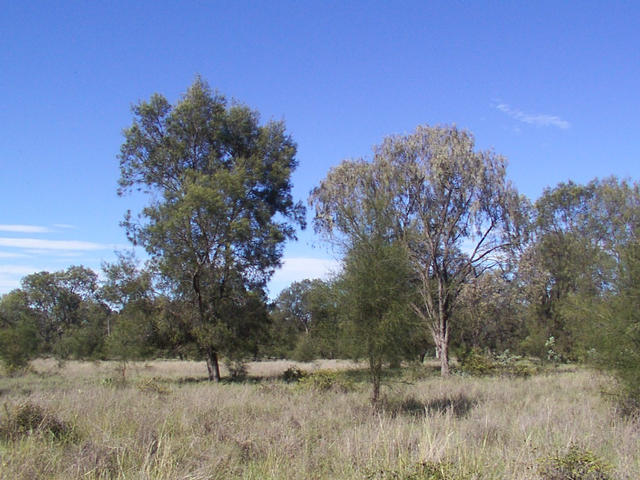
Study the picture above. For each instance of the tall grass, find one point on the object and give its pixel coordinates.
(166, 423)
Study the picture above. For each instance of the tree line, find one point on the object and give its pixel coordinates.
(440, 254)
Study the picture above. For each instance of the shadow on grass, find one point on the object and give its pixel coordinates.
(205, 380)
(402, 374)
(457, 405)
(355, 376)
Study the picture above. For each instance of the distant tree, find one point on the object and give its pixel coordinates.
(294, 304)
(65, 306)
(221, 205)
(290, 318)
(325, 339)
(128, 290)
(489, 314)
(19, 341)
(575, 251)
(14, 306)
(451, 206)
(126, 284)
(305, 321)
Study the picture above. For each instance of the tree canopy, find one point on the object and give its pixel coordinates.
(220, 203)
(451, 205)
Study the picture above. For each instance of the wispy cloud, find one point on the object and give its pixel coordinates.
(24, 229)
(12, 255)
(55, 253)
(8, 284)
(41, 244)
(65, 226)
(10, 276)
(17, 270)
(537, 119)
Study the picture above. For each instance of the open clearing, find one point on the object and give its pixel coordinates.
(166, 422)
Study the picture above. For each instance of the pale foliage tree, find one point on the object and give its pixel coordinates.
(451, 205)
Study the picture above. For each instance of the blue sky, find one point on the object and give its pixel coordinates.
(553, 86)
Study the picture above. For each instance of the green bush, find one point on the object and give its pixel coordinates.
(476, 362)
(325, 380)
(576, 464)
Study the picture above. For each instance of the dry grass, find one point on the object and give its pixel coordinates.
(166, 423)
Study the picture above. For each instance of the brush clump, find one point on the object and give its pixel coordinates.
(26, 419)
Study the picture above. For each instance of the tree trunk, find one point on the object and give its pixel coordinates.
(443, 330)
(375, 395)
(444, 358)
(376, 370)
(212, 365)
(441, 339)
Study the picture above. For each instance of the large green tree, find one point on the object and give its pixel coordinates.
(450, 204)
(220, 204)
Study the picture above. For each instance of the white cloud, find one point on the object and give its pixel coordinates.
(24, 229)
(539, 119)
(40, 244)
(65, 226)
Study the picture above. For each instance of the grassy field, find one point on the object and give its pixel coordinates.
(78, 421)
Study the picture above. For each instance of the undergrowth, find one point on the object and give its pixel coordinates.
(577, 463)
(423, 471)
(27, 419)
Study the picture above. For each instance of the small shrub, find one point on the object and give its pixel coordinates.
(325, 380)
(423, 471)
(552, 355)
(576, 464)
(31, 419)
(475, 362)
(293, 374)
(152, 385)
(114, 382)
